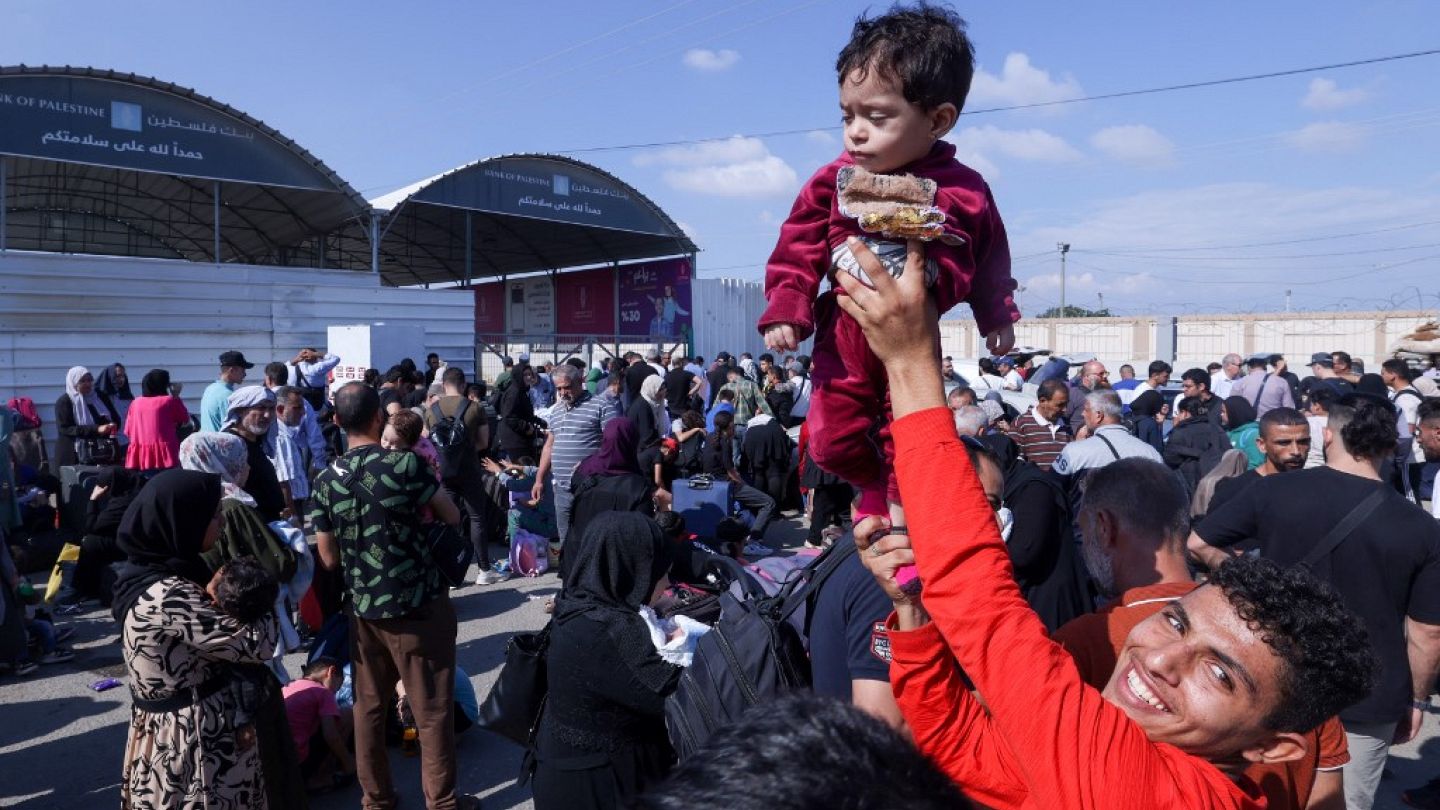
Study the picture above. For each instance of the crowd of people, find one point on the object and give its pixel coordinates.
(1104, 510)
(1121, 595)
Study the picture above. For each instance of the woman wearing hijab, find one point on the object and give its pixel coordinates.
(115, 489)
(184, 748)
(648, 411)
(516, 415)
(1146, 410)
(114, 383)
(602, 736)
(1041, 542)
(154, 424)
(609, 480)
(1237, 416)
(243, 532)
(81, 413)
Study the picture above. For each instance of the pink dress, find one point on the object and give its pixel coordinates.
(151, 429)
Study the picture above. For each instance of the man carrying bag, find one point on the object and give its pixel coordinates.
(366, 518)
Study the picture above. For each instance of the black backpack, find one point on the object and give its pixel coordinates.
(450, 439)
(753, 653)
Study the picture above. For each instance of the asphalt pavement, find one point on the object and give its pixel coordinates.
(61, 744)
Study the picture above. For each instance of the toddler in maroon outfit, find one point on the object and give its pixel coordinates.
(903, 81)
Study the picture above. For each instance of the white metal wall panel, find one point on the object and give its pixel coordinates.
(58, 311)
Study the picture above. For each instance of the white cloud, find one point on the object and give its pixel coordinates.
(1088, 282)
(977, 147)
(1327, 137)
(1135, 144)
(821, 137)
(1020, 82)
(704, 59)
(1325, 94)
(689, 230)
(735, 167)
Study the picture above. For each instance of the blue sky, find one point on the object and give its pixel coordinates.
(1164, 198)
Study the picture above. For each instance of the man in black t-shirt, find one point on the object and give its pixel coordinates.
(1387, 570)
(680, 387)
(718, 376)
(1284, 439)
(635, 374)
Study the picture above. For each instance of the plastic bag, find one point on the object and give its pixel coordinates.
(529, 554)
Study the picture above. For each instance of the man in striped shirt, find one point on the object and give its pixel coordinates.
(576, 424)
(1039, 433)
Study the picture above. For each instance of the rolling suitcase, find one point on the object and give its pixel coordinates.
(76, 484)
(703, 502)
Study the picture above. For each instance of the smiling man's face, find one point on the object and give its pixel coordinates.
(1197, 677)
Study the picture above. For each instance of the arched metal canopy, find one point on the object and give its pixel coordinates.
(94, 161)
(517, 214)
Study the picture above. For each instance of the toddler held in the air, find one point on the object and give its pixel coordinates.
(903, 81)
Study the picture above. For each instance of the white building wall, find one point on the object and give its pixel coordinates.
(58, 311)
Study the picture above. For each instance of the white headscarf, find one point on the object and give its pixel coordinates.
(242, 399)
(650, 391)
(82, 403)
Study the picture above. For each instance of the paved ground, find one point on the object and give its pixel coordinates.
(61, 744)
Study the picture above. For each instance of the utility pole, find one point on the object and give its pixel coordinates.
(1102, 300)
(1287, 300)
(1063, 247)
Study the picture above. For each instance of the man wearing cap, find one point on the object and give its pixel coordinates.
(1005, 366)
(215, 404)
(249, 413)
(1263, 390)
(1322, 365)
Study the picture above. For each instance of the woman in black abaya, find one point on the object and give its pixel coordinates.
(602, 736)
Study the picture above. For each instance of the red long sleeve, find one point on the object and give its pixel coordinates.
(1076, 749)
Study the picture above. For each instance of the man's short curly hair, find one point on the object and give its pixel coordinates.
(1322, 644)
(851, 760)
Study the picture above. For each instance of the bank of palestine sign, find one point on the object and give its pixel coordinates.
(103, 122)
(546, 189)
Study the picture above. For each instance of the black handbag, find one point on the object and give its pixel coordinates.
(451, 553)
(93, 450)
(513, 707)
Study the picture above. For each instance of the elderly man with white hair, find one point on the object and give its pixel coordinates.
(1222, 380)
(1108, 442)
(249, 413)
(971, 420)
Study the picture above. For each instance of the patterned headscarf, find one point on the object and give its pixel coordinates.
(221, 453)
(81, 402)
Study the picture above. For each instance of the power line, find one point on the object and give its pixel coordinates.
(1288, 241)
(1125, 255)
(1038, 104)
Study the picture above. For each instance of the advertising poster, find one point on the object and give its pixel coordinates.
(655, 300)
(531, 307)
(585, 302)
(490, 311)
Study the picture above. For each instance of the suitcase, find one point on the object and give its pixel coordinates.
(703, 502)
(76, 484)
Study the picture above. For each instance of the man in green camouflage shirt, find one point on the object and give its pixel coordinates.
(366, 515)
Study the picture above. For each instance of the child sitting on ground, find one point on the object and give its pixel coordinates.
(903, 78)
(322, 730)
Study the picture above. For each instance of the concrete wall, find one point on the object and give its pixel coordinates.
(1201, 339)
(58, 311)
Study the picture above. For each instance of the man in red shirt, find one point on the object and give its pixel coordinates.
(1234, 672)
(1135, 520)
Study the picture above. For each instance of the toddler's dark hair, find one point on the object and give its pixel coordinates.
(923, 46)
(246, 591)
(671, 523)
(409, 425)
